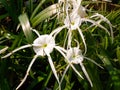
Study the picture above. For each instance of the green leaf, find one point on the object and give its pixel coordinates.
(114, 75)
(46, 13)
(37, 8)
(118, 53)
(24, 21)
(3, 16)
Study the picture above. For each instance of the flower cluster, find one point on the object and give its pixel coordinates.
(74, 15)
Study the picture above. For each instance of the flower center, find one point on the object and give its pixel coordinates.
(74, 56)
(44, 45)
(72, 23)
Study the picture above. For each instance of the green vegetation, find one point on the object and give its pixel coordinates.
(23, 21)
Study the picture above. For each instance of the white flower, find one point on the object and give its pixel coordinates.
(75, 15)
(43, 43)
(42, 46)
(74, 55)
(74, 11)
(72, 22)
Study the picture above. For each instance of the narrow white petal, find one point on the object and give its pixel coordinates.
(53, 67)
(81, 34)
(69, 38)
(56, 31)
(22, 47)
(3, 50)
(36, 32)
(76, 71)
(93, 62)
(97, 23)
(86, 74)
(65, 40)
(61, 49)
(77, 43)
(27, 72)
(79, 2)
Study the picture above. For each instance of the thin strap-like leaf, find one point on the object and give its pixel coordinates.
(46, 13)
(37, 8)
(24, 21)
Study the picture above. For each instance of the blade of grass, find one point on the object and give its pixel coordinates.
(3, 16)
(36, 9)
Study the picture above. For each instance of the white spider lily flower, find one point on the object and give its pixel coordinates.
(73, 22)
(74, 11)
(74, 55)
(42, 46)
(43, 43)
(74, 26)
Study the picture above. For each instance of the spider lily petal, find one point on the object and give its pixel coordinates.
(52, 67)
(78, 8)
(56, 31)
(94, 62)
(95, 23)
(3, 50)
(34, 30)
(64, 73)
(86, 74)
(22, 47)
(27, 72)
(82, 36)
(102, 18)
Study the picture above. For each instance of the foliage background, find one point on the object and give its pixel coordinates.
(100, 48)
